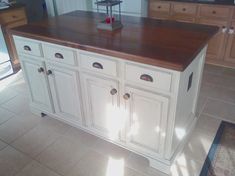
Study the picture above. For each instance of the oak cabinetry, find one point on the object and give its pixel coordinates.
(159, 9)
(220, 48)
(10, 18)
(230, 48)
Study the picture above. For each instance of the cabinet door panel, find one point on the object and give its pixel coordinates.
(230, 49)
(216, 45)
(147, 121)
(38, 85)
(102, 106)
(65, 92)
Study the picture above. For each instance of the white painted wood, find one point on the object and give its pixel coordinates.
(161, 80)
(37, 82)
(164, 108)
(65, 90)
(109, 66)
(35, 48)
(101, 106)
(68, 55)
(146, 125)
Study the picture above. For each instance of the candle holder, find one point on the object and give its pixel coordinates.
(110, 22)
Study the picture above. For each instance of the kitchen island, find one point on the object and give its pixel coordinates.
(136, 87)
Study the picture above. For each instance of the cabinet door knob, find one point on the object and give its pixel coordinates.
(49, 72)
(126, 96)
(231, 30)
(40, 70)
(224, 29)
(184, 9)
(27, 48)
(159, 7)
(97, 65)
(214, 12)
(113, 91)
(59, 56)
(146, 77)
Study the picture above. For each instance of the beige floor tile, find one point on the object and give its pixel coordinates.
(35, 141)
(62, 155)
(186, 166)
(17, 126)
(95, 164)
(111, 150)
(141, 165)
(2, 145)
(213, 69)
(207, 124)
(229, 72)
(5, 115)
(54, 125)
(36, 169)
(201, 104)
(12, 161)
(219, 109)
(20, 86)
(17, 104)
(79, 135)
(6, 95)
(216, 92)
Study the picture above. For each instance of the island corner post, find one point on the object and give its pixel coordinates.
(136, 87)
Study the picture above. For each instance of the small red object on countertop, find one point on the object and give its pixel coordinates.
(108, 21)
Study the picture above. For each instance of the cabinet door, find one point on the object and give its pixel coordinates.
(65, 90)
(102, 112)
(230, 49)
(34, 72)
(216, 45)
(146, 126)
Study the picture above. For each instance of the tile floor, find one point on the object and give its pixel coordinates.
(34, 146)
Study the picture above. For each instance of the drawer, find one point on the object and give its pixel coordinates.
(99, 64)
(148, 77)
(184, 9)
(28, 46)
(159, 6)
(13, 15)
(60, 54)
(215, 11)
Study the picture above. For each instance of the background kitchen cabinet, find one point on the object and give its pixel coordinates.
(64, 84)
(38, 83)
(230, 48)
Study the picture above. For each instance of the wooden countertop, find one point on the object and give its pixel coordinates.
(167, 44)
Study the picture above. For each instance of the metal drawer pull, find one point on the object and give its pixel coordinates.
(127, 96)
(27, 48)
(97, 65)
(113, 91)
(184, 9)
(159, 7)
(214, 12)
(40, 70)
(231, 30)
(59, 56)
(146, 77)
(49, 72)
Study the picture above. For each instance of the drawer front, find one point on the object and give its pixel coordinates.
(13, 15)
(60, 54)
(184, 9)
(159, 6)
(148, 77)
(214, 11)
(27, 46)
(99, 64)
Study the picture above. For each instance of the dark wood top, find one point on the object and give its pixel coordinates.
(166, 44)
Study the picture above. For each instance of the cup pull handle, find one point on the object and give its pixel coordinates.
(27, 48)
(97, 65)
(59, 56)
(146, 77)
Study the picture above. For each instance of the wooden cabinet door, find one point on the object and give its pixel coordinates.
(34, 72)
(101, 99)
(230, 49)
(146, 126)
(216, 45)
(65, 91)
